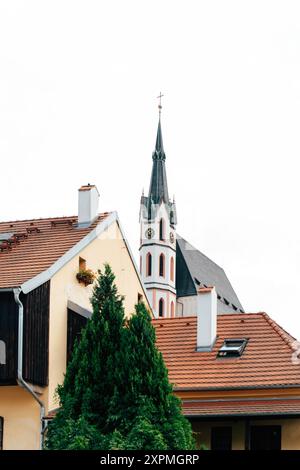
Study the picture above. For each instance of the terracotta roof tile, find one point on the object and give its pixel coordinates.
(40, 248)
(265, 362)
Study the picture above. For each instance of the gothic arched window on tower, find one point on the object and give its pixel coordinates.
(162, 229)
(149, 264)
(172, 268)
(172, 309)
(162, 265)
(161, 308)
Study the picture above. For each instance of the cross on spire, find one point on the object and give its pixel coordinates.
(159, 105)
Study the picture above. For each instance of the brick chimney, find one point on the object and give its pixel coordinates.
(206, 318)
(88, 199)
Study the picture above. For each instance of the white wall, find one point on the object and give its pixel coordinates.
(186, 306)
(158, 286)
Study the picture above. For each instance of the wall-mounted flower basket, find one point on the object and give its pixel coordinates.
(86, 276)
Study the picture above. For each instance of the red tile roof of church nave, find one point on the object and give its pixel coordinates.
(265, 362)
(36, 244)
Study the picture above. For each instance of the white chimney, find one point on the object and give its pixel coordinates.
(88, 199)
(206, 318)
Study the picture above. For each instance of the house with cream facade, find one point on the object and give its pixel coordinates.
(44, 298)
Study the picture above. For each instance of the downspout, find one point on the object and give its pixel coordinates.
(20, 379)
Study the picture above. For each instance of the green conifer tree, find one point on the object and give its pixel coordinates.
(116, 393)
(144, 395)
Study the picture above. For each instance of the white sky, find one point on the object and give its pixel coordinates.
(78, 82)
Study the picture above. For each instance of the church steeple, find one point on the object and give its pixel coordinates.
(158, 235)
(159, 153)
(158, 190)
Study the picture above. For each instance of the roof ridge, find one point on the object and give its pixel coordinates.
(188, 317)
(48, 218)
(237, 314)
(286, 337)
(38, 219)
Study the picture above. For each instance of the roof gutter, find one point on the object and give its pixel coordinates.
(20, 378)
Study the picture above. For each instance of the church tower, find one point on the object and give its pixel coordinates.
(158, 236)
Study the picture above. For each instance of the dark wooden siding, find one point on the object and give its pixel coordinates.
(9, 334)
(36, 335)
(75, 324)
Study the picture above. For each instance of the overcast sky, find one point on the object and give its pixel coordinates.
(78, 87)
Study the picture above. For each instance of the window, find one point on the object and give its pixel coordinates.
(232, 348)
(221, 438)
(162, 229)
(1, 432)
(82, 264)
(265, 437)
(140, 298)
(2, 352)
(161, 307)
(172, 309)
(162, 265)
(75, 324)
(149, 264)
(172, 269)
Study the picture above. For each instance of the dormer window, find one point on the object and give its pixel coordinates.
(232, 347)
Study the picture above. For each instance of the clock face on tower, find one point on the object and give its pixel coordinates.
(172, 237)
(149, 233)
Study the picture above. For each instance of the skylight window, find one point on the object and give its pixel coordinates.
(232, 347)
(5, 236)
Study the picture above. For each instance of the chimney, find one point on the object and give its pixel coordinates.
(206, 318)
(88, 198)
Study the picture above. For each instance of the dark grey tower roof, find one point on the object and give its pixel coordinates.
(158, 190)
(194, 269)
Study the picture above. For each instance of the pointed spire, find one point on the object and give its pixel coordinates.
(159, 153)
(158, 187)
